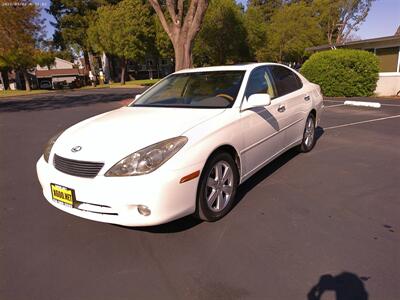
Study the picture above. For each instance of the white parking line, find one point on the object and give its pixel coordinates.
(362, 122)
(390, 104)
(363, 103)
(342, 101)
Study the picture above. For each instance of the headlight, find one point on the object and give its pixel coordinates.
(49, 145)
(148, 159)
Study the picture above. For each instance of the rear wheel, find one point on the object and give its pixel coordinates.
(217, 187)
(308, 141)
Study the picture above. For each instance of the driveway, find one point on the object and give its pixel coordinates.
(326, 221)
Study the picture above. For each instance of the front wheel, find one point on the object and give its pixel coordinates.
(217, 188)
(308, 141)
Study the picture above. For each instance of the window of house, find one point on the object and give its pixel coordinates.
(388, 59)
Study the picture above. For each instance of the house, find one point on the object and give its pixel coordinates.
(387, 49)
(150, 67)
(60, 72)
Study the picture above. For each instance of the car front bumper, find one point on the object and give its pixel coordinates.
(116, 199)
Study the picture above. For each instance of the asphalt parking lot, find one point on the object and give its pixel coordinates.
(323, 222)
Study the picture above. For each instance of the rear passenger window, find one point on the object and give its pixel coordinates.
(285, 80)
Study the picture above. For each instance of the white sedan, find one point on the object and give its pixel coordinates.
(182, 147)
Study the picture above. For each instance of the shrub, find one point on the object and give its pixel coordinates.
(343, 72)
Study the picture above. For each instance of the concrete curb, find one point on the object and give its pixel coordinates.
(361, 103)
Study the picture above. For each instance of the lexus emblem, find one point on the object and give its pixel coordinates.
(76, 149)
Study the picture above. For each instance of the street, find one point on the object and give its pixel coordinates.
(333, 210)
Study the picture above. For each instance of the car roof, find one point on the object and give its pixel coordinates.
(239, 67)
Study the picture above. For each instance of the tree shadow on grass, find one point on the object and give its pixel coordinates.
(66, 99)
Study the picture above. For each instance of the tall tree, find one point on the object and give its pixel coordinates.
(341, 18)
(45, 58)
(182, 21)
(72, 22)
(163, 44)
(266, 8)
(21, 29)
(292, 28)
(124, 30)
(256, 28)
(214, 44)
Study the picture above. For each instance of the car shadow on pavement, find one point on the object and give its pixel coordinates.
(63, 100)
(319, 131)
(178, 225)
(270, 168)
(346, 286)
(189, 222)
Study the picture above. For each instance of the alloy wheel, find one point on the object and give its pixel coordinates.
(309, 132)
(219, 187)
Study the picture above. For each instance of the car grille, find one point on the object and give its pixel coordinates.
(76, 167)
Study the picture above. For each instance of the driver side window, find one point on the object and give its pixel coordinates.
(260, 83)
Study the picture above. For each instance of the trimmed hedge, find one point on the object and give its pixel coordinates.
(343, 72)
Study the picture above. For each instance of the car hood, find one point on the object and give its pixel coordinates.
(112, 136)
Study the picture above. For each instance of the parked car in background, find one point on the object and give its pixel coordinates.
(182, 147)
(59, 85)
(45, 85)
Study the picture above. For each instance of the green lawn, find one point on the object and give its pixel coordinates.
(128, 84)
(9, 93)
(143, 82)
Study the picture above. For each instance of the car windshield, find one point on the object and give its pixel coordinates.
(216, 89)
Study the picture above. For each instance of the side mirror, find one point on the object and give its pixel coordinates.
(257, 100)
(137, 96)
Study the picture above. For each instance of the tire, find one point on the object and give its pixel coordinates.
(221, 193)
(309, 139)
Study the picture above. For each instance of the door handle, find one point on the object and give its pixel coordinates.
(281, 108)
(307, 98)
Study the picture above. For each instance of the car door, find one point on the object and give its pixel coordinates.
(261, 125)
(294, 100)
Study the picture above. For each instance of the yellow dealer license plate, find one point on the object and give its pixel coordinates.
(62, 194)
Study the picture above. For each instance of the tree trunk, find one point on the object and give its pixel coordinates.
(26, 78)
(123, 70)
(111, 68)
(182, 26)
(86, 64)
(183, 54)
(86, 61)
(4, 77)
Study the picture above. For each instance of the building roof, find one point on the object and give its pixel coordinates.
(65, 61)
(393, 40)
(59, 73)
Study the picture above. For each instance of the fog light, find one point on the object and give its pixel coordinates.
(144, 210)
